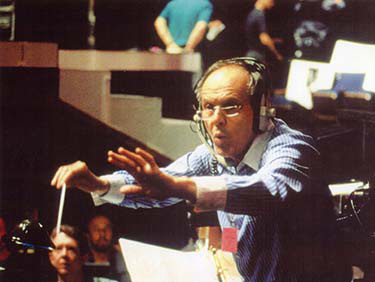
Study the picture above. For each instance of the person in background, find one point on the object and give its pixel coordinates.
(67, 256)
(102, 250)
(4, 252)
(225, 35)
(257, 35)
(182, 24)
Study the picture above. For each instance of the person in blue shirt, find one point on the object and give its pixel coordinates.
(182, 24)
(256, 172)
(256, 32)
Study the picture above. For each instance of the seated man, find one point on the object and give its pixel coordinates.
(66, 258)
(182, 24)
(105, 260)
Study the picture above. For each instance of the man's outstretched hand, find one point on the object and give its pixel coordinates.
(151, 181)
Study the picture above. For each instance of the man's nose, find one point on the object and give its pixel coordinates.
(101, 232)
(218, 116)
(64, 252)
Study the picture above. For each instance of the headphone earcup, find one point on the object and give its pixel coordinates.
(265, 114)
(263, 123)
(196, 118)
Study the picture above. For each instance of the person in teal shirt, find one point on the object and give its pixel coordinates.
(182, 24)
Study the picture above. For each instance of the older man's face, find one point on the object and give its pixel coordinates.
(233, 135)
(65, 258)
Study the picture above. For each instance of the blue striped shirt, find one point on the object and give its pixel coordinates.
(261, 200)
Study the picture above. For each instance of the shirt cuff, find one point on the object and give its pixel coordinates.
(211, 193)
(113, 195)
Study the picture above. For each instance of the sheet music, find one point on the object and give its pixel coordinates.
(157, 264)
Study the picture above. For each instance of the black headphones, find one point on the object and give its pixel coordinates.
(259, 90)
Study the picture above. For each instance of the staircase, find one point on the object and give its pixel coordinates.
(85, 83)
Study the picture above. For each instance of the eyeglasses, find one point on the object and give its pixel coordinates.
(229, 111)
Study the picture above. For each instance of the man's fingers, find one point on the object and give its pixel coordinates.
(55, 177)
(121, 161)
(145, 161)
(133, 156)
(148, 157)
(68, 174)
(131, 189)
(61, 176)
(58, 179)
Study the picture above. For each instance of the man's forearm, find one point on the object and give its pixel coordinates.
(186, 189)
(163, 31)
(196, 35)
(266, 40)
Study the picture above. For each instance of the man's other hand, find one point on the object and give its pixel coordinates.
(79, 175)
(151, 181)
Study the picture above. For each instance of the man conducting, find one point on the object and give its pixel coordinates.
(256, 172)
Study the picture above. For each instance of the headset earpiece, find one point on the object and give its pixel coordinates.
(197, 118)
(265, 114)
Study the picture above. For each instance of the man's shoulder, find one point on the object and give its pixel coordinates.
(198, 157)
(255, 16)
(195, 159)
(207, 4)
(202, 151)
(282, 133)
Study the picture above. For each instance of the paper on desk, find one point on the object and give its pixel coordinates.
(157, 264)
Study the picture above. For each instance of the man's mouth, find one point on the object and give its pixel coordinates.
(219, 140)
(219, 136)
(103, 242)
(65, 265)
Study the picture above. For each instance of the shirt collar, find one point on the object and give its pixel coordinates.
(254, 154)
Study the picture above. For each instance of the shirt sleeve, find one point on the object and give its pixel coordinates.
(286, 169)
(262, 23)
(191, 164)
(211, 193)
(113, 196)
(205, 13)
(165, 12)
